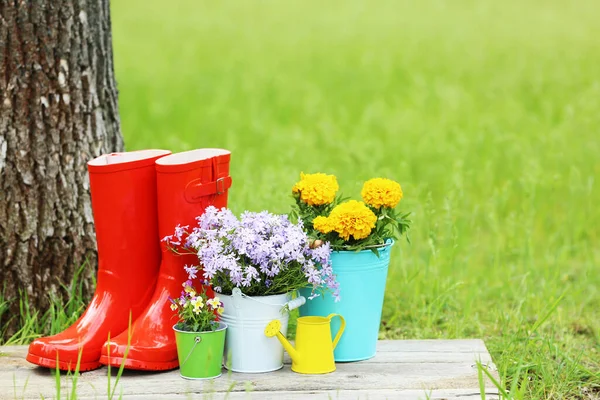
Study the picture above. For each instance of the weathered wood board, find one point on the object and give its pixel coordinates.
(402, 369)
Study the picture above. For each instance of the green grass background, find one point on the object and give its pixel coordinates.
(487, 113)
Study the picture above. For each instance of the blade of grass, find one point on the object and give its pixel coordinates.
(15, 386)
(76, 375)
(481, 382)
(122, 367)
(515, 382)
(491, 378)
(545, 317)
(57, 378)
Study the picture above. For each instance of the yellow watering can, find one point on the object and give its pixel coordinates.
(314, 349)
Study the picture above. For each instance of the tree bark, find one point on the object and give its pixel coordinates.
(58, 109)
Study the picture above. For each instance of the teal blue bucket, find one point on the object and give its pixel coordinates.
(362, 276)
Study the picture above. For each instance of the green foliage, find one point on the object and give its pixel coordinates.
(61, 313)
(390, 224)
(289, 280)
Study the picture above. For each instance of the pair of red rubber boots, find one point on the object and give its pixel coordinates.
(137, 199)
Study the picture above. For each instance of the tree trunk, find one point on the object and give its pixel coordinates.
(58, 109)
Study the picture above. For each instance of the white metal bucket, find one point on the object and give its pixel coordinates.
(247, 349)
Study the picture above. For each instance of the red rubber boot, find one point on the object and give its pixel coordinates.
(123, 192)
(187, 183)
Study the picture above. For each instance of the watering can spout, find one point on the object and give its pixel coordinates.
(273, 329)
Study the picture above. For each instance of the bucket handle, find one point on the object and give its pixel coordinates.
(297, 302)
(197, 340)
(340, 331)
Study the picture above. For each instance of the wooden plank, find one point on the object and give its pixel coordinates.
(433, 345)
(373, 394)
(401, 369)
(396, 351)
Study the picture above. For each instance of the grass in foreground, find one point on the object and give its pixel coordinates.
(61, 313)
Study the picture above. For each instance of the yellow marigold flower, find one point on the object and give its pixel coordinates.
(323, 224)
(316, 189)
(379, 192)
(353, 218)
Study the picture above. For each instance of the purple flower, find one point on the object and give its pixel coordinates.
(191, 271)
(257, 250)
(180, 231)
(322, 253)
(314, 276)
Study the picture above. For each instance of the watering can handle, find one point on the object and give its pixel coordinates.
(340, 331)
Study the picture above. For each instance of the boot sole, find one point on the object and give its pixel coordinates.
(139, 365)
(62, 365)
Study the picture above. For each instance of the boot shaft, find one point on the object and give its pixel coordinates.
(123, 192)
(189, 182)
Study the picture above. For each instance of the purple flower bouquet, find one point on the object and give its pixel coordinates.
(261, 253)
